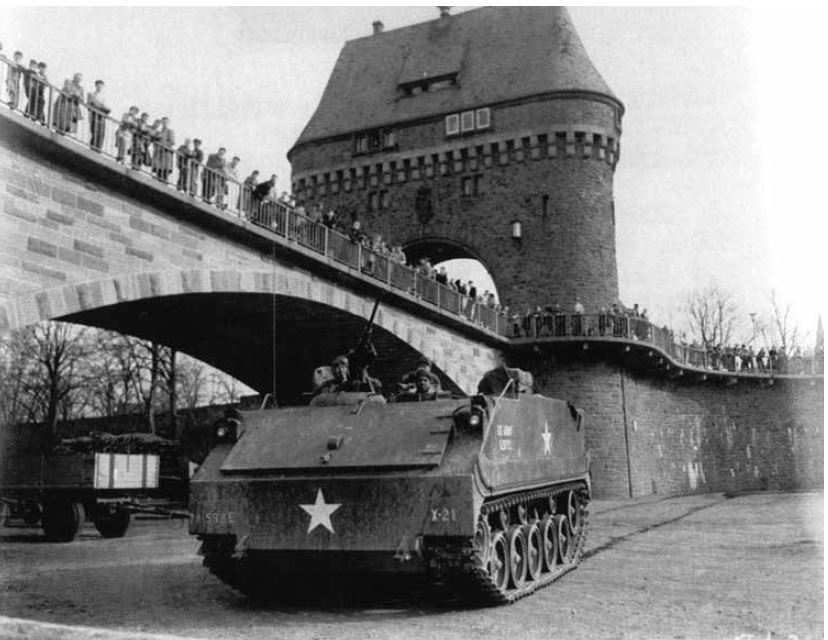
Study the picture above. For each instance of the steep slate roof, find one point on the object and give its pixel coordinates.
(502, 52)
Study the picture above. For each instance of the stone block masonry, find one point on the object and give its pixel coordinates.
(650, 435)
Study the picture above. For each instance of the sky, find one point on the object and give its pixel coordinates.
(722, 169)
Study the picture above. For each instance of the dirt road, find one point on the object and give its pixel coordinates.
(704, 566)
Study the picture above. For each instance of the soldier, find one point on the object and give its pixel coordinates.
(340, 379)
(423, 389)
(423, 364)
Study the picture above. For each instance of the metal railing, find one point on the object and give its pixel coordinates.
(551, 324)
(138, 146)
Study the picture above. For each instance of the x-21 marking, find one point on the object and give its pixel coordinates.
(443, 514)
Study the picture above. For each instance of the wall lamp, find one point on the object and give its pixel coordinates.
(517, 230)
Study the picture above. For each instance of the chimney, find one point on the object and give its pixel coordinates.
(378, 26)
(445, 12)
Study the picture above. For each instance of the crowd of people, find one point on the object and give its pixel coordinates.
(142, 142)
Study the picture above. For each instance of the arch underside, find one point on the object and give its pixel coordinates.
(257, 338)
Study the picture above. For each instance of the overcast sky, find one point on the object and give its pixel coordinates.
(722, 167)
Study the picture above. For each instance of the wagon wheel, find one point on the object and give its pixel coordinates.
(518, 558)
(534, 551)
(483, 540)
(564, 539)
(549, 542)
(61, 520)
(499, 562)
(113, 525)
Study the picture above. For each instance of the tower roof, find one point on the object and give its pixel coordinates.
(495, 53)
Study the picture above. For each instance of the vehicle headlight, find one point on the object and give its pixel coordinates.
(227, 431)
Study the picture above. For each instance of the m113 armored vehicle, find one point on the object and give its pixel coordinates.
(486, 494)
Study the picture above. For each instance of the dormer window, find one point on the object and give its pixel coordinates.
(435, 68)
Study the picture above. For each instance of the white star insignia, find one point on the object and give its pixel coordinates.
(320, 512)
(547, 439)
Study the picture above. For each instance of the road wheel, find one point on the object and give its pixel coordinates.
(549, 542)
(483, 540)
(574, 511)
(61, 520)
(517, 555)
(534, 550)
(564, 539)
(499, 562)
(114, 524)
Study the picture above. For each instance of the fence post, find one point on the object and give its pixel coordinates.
(325, 241)
(388, 271)
(359, 257)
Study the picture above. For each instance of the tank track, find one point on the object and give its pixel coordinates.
(472, 580)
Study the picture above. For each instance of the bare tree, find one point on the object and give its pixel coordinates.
(778, 327)
(46, 364)
(712, 316)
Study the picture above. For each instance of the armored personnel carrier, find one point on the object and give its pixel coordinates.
(486, 494)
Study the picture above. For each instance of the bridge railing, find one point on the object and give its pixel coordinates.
(136, 146)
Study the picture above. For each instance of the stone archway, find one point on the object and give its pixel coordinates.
(235, 319)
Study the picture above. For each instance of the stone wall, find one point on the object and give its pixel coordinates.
(654, 435)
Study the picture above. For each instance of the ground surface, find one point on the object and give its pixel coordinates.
(702, 566)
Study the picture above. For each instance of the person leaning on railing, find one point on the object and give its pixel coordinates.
(124, 134)
(15, 72)
(67, 112)
(97, 116)
(163, 142)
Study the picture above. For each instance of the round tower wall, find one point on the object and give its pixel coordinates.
(545, 163)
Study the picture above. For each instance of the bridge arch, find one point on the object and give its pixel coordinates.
(277, 327)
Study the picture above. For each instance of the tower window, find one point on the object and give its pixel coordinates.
(453, 124)
(467, 121)
(471, 185)
(484, 120)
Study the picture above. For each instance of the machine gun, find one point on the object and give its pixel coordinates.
(364, 353)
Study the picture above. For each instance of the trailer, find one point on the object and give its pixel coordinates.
(102, 478)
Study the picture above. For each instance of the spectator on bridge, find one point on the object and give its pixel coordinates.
(329, 219)
(67, 112)
(262, 191)
(231, 171)
(214, 175)
(34, 81)
(196, 160)
(249, 184)
(16, 70)
(761, 359)
(577, 318)
(141, 132)
(29, 74)
(97, 115)
(123, 136)
(183, 156)
(163, 144)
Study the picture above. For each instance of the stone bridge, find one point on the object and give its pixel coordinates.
(89, 241)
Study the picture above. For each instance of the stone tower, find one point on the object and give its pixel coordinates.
(489, 135)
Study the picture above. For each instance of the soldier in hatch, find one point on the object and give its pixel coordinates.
(425, 387)
(338, 378)
(423, 364)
